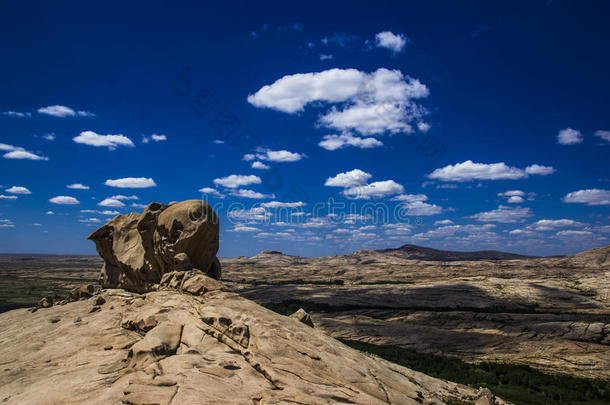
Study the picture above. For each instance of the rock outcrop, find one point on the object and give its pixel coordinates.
(138, 249)
(194, 342)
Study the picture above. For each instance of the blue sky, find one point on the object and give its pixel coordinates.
(313, 129)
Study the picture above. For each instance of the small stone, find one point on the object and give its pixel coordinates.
(302, 317)
(98, 300)
(55, 319)
(107, 347)
(95, 309)
(77, 319)
(46, 302)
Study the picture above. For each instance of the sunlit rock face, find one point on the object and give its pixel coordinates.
(139, 248)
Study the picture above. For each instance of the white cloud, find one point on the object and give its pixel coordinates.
(62, 111)
(394, 42)
(279, 204)
(139, 206)
(397, 229)
(110, 141)
(252, 214)
(218, 141)
(49, 213)
(260, 165)
(334, 142)
(158, 138)
(370, 103)
(121, 197)
(244, 228)
(443, 222)
(324, 56)
(553, 224)
(422, 208)
(237, 180)
(8, 197)
(18, 190)
(66, 200)
(515, 200)
(469, 170)
(90, 220)
(512, 193)
(111, 202)
(18, 114)
(447, 232)
(211, 191)
(6, 223)
(352, 178)
(36, 224)
(131, 182)
(592, 196)
(504, 214)
(569, 136)
(243, 193)
(539, 170)
(78, 186)
(605, 135)
(409, 198)
(375, 189)
(574, 233)
(100, 212)
(274, 155)
(49, 137)
(17, 152)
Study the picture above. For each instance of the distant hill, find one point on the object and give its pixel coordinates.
(415, 252)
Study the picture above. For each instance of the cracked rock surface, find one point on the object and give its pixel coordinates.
(195, 342)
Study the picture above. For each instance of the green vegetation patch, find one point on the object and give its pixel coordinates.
(521, 385)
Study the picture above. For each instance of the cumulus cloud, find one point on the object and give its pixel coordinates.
(139, 206)
(260, 165)
(605, 135)
(244, 193)
(279, 156)
(574, 233)
(334, 142)
(421, 208)
(243, 228)
(8, 197)
(18, 190)
(111, 202)
(592, 196)
(443, 222)
(100, 212)
(90, 220)
(279, 204)
(17, 152)
(6, 223)
(553, 224)
(49, 137)
(78, 186)
(394, 42)
(376, 189)
(409, 198)
(125, 197)
(131, 182)
(237, 180)
(110, 141)
(211, 191)
(513, 196)
(569, 136)
(539, 170)
(158, 138)
(64, 200)
(17, 114)
(504, 214)
(468, 170)
(62, 111)
(352, 178)
(369, 103)
(449, 231)
(253, 214)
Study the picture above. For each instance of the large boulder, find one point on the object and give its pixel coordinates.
(138, 249)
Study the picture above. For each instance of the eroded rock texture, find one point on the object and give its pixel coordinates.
(138, 249)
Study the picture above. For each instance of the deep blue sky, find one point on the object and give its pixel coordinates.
(503, 81)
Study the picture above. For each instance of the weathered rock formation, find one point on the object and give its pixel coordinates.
(138, 249)
(191, 341)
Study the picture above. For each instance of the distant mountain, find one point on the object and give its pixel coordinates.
(414, 252)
